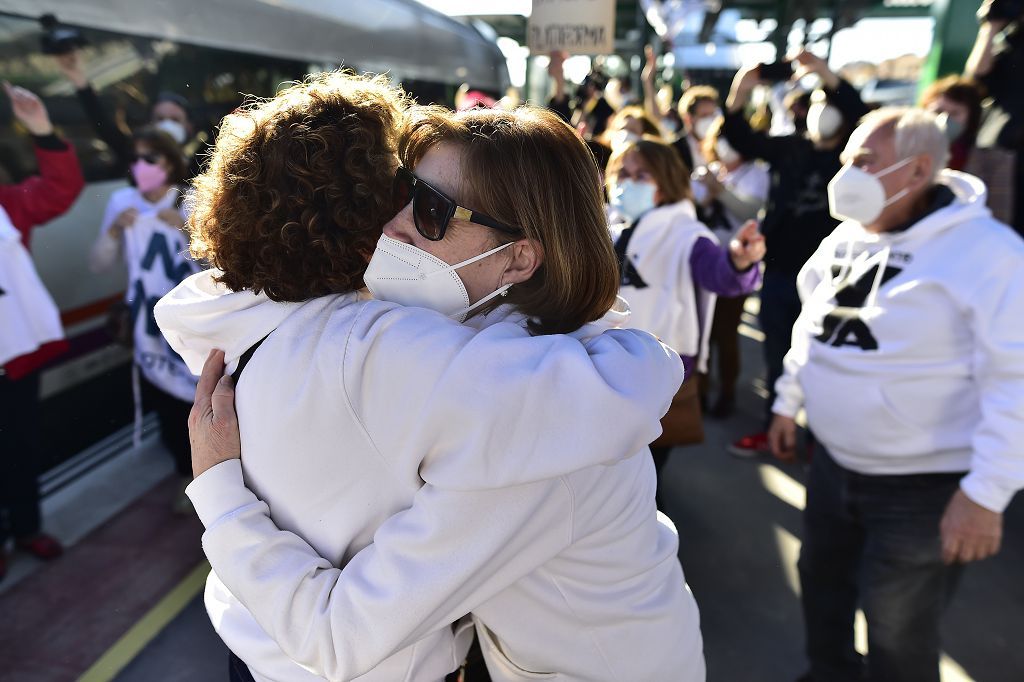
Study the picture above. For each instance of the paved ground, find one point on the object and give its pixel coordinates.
(739, 524)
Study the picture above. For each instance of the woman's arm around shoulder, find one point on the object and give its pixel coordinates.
(498, 407)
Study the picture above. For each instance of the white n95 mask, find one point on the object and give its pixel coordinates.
(632, 199)
(174, 129)
(404, 274)
(854, 194)
(823, 121)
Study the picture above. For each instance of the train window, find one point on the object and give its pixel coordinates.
(127, 72)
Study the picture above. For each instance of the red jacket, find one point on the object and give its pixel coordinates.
(34, 201)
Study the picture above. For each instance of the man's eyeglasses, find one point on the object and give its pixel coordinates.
(432, 209)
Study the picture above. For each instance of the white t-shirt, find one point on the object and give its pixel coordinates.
(157, 258)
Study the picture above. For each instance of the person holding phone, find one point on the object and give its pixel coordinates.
(797, 217)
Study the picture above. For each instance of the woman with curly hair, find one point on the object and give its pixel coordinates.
(497, 466)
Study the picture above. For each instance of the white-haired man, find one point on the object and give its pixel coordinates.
(909, 360)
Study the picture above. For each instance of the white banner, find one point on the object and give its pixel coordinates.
(575, 26)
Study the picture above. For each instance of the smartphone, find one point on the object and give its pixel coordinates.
(775, 71)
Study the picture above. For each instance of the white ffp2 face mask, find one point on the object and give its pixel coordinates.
(404, 274)
(174, 129)
(854, 194)
(823, 121)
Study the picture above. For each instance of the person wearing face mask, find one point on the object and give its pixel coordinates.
(698, 107)
(428, 468)
(907, 359)
(142, 226)
(171, 113)
(629, 125)
(736, 192)
(957, 101)
(671, 265)
(796, 215)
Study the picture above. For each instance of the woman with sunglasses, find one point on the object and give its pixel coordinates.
(142, 227)
(447, 467)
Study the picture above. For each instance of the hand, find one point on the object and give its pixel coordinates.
(747, 246)
(71, 66)
(984, 17)
(808, 62)
(212, 423)
(29, 109)
(556, 59)
(124, 220)
(650, 67)
(782, 438)
(742, 85)
(171, 217)
(969, 531)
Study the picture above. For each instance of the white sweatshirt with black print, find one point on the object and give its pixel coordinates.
(908, 354)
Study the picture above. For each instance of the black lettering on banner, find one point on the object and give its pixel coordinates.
(844, 331)
(158, 247)
(568, 36)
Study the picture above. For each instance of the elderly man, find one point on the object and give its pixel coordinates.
(909, 361)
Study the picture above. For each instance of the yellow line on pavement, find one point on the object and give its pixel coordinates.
(148, 627)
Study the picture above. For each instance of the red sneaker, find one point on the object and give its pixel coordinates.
(751, 446)
(41, 546)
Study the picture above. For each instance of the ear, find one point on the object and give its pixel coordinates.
(922, 170)
(527, 256)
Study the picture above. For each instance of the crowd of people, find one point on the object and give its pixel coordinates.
(469, 351)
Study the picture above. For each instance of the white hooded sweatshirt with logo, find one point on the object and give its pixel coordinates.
(908, 354)
(523, 458)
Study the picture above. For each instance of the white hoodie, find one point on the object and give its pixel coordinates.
(671, 306)
(920, 367)
(344, 408)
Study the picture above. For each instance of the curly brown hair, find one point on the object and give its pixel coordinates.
(298, 187)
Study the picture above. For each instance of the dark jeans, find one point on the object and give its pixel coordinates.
(238, 671)
(19, 453)
(873, 541)
(780, 306)
(172, 414)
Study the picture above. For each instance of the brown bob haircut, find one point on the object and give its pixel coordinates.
(662, 162)
(528, 169)
(163, 144)
(963, 91)
(298, 187)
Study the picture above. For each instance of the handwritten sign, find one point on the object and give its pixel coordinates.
(575, 26)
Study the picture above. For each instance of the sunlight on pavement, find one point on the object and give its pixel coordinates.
(783, 486)
(789, 552)
(750, 332)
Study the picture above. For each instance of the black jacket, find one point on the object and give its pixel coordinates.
(796, 216)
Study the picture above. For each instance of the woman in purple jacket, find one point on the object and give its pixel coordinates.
(672, 266)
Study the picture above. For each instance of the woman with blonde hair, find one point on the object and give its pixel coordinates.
(401, 469)
(671, 265)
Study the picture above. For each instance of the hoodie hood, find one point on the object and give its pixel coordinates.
(968, 205)
(201, 314)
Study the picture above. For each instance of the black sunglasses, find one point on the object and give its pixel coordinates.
(432, 209)
(151, 157)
